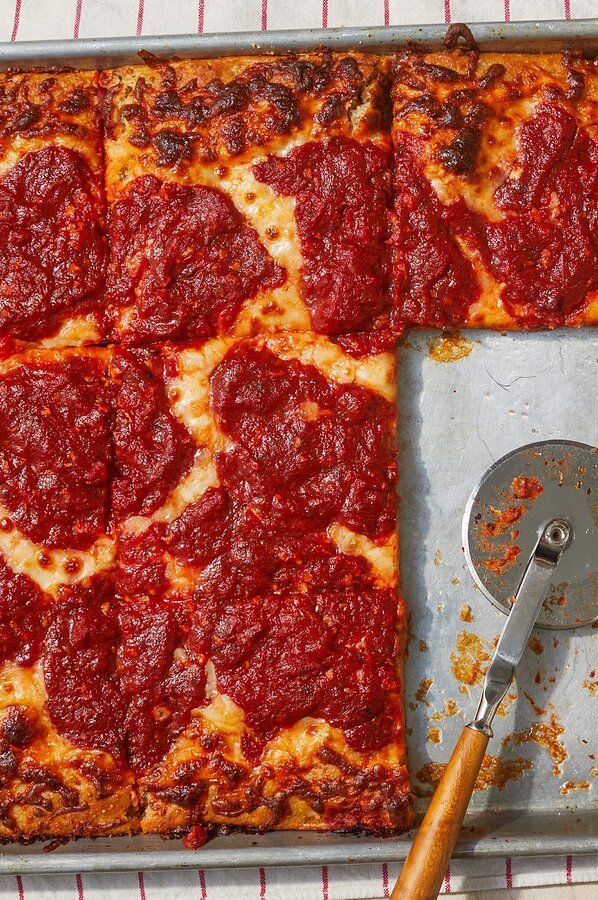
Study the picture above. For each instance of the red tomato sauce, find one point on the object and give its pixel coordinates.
(85, 701)
(52, 247)
(152, 449)
(55, 450)
(159, 688)
(185, 258)
(342, 192)
(307, 451)
(23, 613)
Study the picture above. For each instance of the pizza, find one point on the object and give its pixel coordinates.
(205, 266)
(261, 186)
(63, 769)
(256, 553)
(52, 209)
(496, 189)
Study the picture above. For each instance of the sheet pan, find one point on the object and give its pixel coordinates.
(454, 420)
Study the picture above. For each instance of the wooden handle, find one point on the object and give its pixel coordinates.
(432, 848)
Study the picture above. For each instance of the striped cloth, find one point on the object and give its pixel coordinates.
(23, 20)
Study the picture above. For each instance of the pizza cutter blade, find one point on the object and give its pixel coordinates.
(516, 497)
(531, 518)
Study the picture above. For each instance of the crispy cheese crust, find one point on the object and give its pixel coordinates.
(503, 150)
(209, 123)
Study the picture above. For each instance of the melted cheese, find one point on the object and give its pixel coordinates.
(376, 373)
(48, 568)
(382, 557)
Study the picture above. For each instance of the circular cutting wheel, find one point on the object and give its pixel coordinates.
(505, 514)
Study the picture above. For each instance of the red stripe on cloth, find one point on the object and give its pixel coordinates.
(262, 884)
(20, 889)
(447, 881)
(140, 17)
(387, 12)
(324, 13)
(447, 11)
(509, 872)
(80, 891)
(507, 10)
(200, 16)
(202, 885)
(15, 21)
(264, 15)
(141, 886)
(567, 9)
(77, 19)
(569, 869)
(385, 889)
(324, 882)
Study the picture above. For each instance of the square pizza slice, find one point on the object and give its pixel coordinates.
(496, 189)
(255, 505)
(52, 241)
(63, 770)
(249, 195)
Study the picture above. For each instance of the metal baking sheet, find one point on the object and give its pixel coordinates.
(455, 418)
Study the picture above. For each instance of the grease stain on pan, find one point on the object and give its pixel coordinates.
(471, 660)
(449, 347)
(494, 772)
(546, 735)
(450, 709)
(573, 786)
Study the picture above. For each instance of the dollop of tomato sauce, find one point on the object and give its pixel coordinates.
(244, 553)
(85, 700)
(52, 247)
(54, 450)
(305, 449)
(342, 194)
(160, 687)
(329, 655)
(545, 249)
(152, 449)
(23, 612)
(433, 281)
(185, 258)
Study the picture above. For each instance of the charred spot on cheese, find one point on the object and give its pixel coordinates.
(185, 259)
(19, 726)
(220, 112)
(55, 447)
(52, 247)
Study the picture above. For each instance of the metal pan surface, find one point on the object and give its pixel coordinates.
(455, 418)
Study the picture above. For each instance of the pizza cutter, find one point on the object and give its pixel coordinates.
(530, 540)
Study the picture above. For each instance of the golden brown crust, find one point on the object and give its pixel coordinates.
(49, 787)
